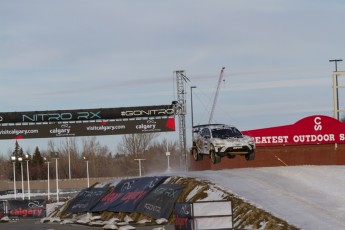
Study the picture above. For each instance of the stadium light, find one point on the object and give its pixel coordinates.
(86, 159)
(27, 158)
(20, 159)
(14, 159)
(55, 155)
(46, 160)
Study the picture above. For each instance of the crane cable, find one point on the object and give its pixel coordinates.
(216, 95)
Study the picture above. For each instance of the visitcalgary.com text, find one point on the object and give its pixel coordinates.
(105, 127)
(18, 131)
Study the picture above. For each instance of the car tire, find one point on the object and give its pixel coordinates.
(196, 155)
(250, 156)
(214, 157)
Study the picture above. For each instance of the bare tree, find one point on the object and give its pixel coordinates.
(5, 168)
(69, 158)
(133, 146)
(157, 160)
(136, 144)
(100, 158)
(143, 146)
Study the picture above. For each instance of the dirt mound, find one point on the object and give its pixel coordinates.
(245, 215)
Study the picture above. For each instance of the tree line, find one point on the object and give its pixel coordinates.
(101, 161)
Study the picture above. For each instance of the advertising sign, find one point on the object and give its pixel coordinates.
(183, 216)
(318, 129)
(26, 208)
(127, 194)
(87, 128)
(87, 114)
(85, 200)
(160, 202)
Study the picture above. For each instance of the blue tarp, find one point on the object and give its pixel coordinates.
(160, 202)
(127, 194)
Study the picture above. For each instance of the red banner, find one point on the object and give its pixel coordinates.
(318, 129)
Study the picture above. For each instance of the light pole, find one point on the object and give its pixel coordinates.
(46, 160)
(336, 85)
(20, 159)
(168, 156)
(27, 158)
(87, 170)
(139, 165)
(191, 104)
(69, 159)
(55, 155)
(14, 159)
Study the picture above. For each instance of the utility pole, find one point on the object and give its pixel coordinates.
(336, 86)
(139, 165)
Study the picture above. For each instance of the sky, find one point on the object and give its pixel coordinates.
(81, 54)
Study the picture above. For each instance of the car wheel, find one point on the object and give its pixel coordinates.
(214, 157)
(250, 156)
(196, 155)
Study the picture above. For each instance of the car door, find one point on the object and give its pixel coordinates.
(206, 136)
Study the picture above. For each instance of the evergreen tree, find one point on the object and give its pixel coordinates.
(21, 153)
(37, 167)
(18, 152)
(17, 148)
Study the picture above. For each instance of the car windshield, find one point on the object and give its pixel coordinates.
(226, 133)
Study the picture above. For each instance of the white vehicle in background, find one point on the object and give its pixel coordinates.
(219, 140)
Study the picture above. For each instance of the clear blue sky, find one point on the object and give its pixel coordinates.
(72, 54)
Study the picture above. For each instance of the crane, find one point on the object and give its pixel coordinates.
(216, 95)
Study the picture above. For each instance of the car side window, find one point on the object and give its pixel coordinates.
(205, 133)
(236, 132)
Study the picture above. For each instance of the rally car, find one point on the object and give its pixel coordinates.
(219, 140)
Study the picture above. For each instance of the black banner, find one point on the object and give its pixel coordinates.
(183, 216)
(87, 114)
(26, 208)
(160, 202)
(127, 194)
(87, 128)
(85, 200)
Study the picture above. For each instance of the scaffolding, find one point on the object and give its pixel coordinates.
(180, 110)
(336, 74)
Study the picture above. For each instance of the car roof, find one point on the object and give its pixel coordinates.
(212, 126)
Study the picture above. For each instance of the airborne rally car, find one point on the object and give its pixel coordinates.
(219, 140)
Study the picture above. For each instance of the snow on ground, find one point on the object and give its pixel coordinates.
(309, 197)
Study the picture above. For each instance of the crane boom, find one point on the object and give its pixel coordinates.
(216, 95)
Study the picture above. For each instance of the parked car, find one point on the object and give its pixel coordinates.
(219, 140)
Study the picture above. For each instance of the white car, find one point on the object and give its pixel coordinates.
(219, 140)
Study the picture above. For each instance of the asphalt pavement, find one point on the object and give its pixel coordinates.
(35, 224)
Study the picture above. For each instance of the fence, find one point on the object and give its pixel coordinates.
(204, 215)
